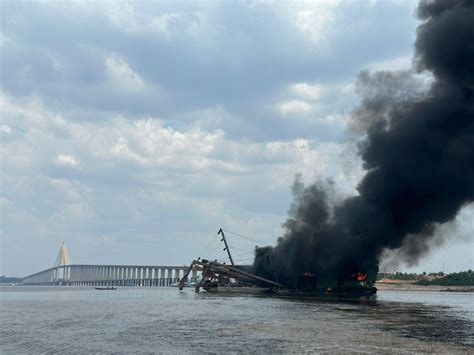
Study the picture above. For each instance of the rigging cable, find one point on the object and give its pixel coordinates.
(243, 236)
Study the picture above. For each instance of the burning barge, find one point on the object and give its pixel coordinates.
(223, 278)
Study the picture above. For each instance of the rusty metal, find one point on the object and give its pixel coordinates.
(221, 271)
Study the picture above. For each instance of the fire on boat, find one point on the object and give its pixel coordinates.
(220, 277)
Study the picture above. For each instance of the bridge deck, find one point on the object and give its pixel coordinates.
(105, 275)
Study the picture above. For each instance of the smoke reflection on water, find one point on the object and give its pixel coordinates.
(420, 315)
(81, 320)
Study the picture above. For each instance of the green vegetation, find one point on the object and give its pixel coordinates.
(404, 276)
(464, 278)
(9, 280)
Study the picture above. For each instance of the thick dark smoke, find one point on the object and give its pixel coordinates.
(418, 151)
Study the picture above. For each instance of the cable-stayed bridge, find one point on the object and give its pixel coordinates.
(65, 273)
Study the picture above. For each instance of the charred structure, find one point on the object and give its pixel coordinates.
(418, 153)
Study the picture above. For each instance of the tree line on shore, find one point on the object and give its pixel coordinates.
(463, 278)
(9, 280)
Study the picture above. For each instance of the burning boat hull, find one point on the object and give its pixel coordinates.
(287, 292)
(363, 292)
(356, 284)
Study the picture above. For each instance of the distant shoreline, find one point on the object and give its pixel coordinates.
(397, 285)
(381, 286)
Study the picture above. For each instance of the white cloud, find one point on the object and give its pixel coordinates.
(120, 73)
(150, 144)
(307, 91)
(314, 18)
(122, 150)
(66, 160)
(4, 201)
(5, 129)
(398, 63)
(166, 24)
(169, 59)
(3, 39)
(294, 107)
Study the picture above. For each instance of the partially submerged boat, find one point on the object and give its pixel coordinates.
(217, 277)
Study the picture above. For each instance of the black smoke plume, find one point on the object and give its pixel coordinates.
(418, 153)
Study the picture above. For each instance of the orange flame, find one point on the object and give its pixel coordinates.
(359, 276)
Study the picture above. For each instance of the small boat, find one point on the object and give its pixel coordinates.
(105, 288)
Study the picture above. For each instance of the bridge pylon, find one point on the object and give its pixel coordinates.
(63, 256)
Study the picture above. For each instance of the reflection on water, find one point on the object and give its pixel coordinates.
(83, 320)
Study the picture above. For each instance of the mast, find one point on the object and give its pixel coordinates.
(221, 232)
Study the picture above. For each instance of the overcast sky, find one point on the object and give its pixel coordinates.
(134, 130)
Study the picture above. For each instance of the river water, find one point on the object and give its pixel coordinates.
(163, 320)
